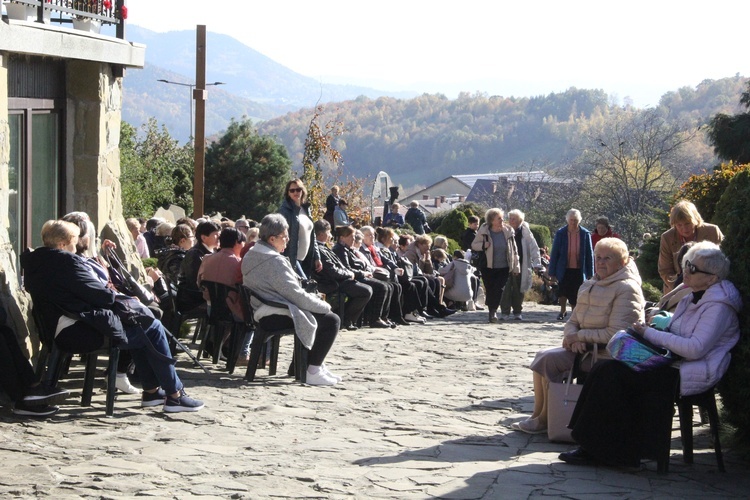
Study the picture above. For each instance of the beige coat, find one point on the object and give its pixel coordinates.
(670, 245)
(606, 306)
(483, 240)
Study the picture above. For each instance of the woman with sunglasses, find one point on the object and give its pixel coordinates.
(620, 412)
(301, 250)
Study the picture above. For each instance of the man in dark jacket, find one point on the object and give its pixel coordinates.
(471, 232)
(380, 303)
(60, 281)
(334, 276)
(415, 218)
(189, 296)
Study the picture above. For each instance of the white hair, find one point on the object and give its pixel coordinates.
(573, 213)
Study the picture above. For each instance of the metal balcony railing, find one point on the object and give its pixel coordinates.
(105, 11)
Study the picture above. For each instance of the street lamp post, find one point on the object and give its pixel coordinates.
(190, 86)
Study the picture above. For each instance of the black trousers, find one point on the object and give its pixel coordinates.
(358, 295)
(325, 334)
(570, 284)
(412, 293)
(494, 283)
(16, 374)
(380, 303)
(397, 301)
(433, 298)
(620, 412)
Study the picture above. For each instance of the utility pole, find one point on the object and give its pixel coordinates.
(199, 95)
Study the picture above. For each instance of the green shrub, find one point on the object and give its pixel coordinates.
(452, 246)
(648, 260)
(150, 262)
(434, 220)
(453, 225)
(731, 216)
(541, 235)
(471, 208)
(650, 292)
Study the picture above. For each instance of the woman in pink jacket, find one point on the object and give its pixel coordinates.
(617, 416)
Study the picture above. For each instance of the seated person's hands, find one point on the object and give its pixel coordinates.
(107, 244)
(154, 274)
(639, 327)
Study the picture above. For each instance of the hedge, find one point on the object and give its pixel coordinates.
(731, 216)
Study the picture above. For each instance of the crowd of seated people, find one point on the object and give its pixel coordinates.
(379, 289)
(393, 280)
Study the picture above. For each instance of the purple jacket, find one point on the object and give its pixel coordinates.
(708, 330)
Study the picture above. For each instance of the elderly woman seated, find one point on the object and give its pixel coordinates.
(610, 301)
(270, 275)
(619, 410)
(61, 281)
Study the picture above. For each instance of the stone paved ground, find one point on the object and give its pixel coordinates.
(423, 412)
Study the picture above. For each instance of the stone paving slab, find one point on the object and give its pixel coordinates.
(423, 412)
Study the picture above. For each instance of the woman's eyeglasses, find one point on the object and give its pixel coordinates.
(690, 267)
(295, 190)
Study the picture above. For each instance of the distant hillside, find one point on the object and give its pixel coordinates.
(254, 84)
(419, 141)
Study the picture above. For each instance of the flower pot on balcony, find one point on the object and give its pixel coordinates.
(88, 25)
(23, 12)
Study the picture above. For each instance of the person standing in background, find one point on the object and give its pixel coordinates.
(571, 260)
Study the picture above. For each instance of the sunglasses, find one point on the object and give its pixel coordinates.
(690, 267)
(295, 190)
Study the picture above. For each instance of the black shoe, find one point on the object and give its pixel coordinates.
(41, 394)
(428, 315)
(153, 398)
(379, 324)
(352, 327)
(579, 456)
(25, 410)
(562, 316)
(447, 312)
(402, 322)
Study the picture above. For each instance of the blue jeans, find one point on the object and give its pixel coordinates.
(152, 358)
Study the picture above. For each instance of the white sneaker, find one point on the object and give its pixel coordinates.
(505, 317)
(470, 306)
(414, 318)
(324, 369)
(320, 378)
(123, 384)
(518, 317)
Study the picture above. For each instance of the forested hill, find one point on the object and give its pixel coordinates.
(421, 140)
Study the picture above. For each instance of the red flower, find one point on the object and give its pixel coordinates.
(124, 12)
(107, 4)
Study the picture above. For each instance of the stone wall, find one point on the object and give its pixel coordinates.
(95, 112)
(92, 170)
(15, 303)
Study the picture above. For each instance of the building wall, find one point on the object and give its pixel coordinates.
(92, 135)
(446, 187)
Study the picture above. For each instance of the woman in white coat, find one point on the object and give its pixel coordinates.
(529, 259)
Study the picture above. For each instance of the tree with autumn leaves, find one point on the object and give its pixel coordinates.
(320, 152)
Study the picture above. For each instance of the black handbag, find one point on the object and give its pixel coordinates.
(479, 258)
(309, 285)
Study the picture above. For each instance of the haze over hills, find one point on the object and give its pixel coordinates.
(416, 139)
(254, 85)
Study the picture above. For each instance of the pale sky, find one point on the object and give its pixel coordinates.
(638, 49)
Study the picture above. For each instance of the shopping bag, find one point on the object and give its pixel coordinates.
(561, 401)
